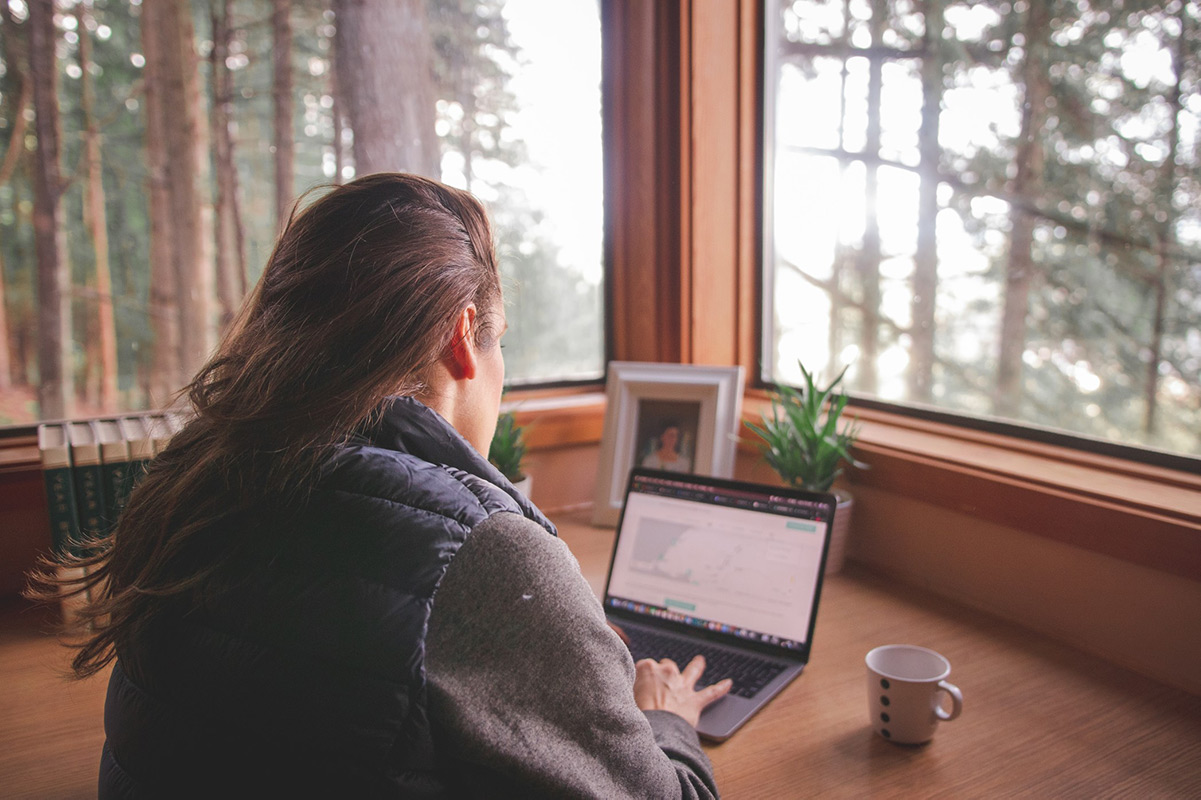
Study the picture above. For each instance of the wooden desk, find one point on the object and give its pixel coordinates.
(1040, 719)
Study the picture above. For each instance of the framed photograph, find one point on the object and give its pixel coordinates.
(675, 417)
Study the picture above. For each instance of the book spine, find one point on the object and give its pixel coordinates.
(60, 487)
(114, 456)
(160, 430)
(141, 450)
(54, 445)
(89, 484)
(133, 473)
(115, 479)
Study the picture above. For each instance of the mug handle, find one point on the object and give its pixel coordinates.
(956, 702)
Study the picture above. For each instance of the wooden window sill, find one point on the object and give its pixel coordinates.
(558, 419)
(1135, 512)
(555, 418)
(1138, 513)
(19, 452)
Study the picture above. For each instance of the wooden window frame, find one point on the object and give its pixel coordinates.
(683, 178)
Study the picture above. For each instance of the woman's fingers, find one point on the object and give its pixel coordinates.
(661, 685)
(715, 692)
(694, 670)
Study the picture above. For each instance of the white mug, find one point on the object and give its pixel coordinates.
(905, 684)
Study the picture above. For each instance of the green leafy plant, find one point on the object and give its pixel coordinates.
(508, 447)
(801, 439)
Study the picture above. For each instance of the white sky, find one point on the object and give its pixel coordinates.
(558, 93)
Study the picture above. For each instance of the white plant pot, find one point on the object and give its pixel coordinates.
(525, 485)
(836, 556)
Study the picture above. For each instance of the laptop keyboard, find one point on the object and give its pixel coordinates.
(750, 673)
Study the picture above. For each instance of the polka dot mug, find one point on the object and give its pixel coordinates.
(905, 688)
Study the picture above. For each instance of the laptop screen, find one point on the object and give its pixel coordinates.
(732, 558)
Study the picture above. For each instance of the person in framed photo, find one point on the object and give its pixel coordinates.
(667, 435)
(665, 450)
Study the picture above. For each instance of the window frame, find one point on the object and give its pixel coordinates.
(1019, 429)
(700, 62)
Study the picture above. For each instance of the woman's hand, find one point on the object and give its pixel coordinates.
(659, 685)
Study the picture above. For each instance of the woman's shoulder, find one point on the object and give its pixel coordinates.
(364, 474)
(516, 538)
(507, 549)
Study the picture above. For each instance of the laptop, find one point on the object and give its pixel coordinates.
(727, 569)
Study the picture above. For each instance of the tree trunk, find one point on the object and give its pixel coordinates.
(281, 93)
(16, 51)
(229, 232)
(6, 380)
(103, 349)
(1165, 238)
(843, 264)
(164, 375)
(925, 262)
(869, 257)
(1025, 191)
(467, 138)
(385, 75)
(336, 113)
(54, 334)
(16, 140)
(13, 45)
(186, 172)
(22, 319)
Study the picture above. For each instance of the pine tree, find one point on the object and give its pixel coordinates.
(54, 332)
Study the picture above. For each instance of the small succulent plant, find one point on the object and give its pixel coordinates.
(508, 447)
(801, 439)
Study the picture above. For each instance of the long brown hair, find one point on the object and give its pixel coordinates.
(359, 299)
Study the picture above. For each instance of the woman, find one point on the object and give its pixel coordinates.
(322, 588)
(665, 453)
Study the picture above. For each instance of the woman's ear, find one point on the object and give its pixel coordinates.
(460, 357)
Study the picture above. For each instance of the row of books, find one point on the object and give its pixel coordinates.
(90, 468)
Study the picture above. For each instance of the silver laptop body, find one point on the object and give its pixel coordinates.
(728, 567)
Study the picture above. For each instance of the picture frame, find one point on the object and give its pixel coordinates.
(677, 417)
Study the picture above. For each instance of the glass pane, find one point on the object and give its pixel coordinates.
(513, 112)
(1003, 220)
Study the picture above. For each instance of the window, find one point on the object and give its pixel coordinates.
(990, 209)
(175, 172)
(548, 203)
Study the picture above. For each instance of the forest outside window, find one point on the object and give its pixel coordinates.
(148, 159)
(990, 208)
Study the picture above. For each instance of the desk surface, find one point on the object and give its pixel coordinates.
(1040, 719)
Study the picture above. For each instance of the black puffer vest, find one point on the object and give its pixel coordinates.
(306, 677)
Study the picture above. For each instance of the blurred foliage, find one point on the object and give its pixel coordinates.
(1111, 346)
(475, 58)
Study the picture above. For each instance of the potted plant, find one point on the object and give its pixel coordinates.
(802, 441)
(507, 451)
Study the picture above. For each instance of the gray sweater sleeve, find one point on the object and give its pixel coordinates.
(529, 687)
